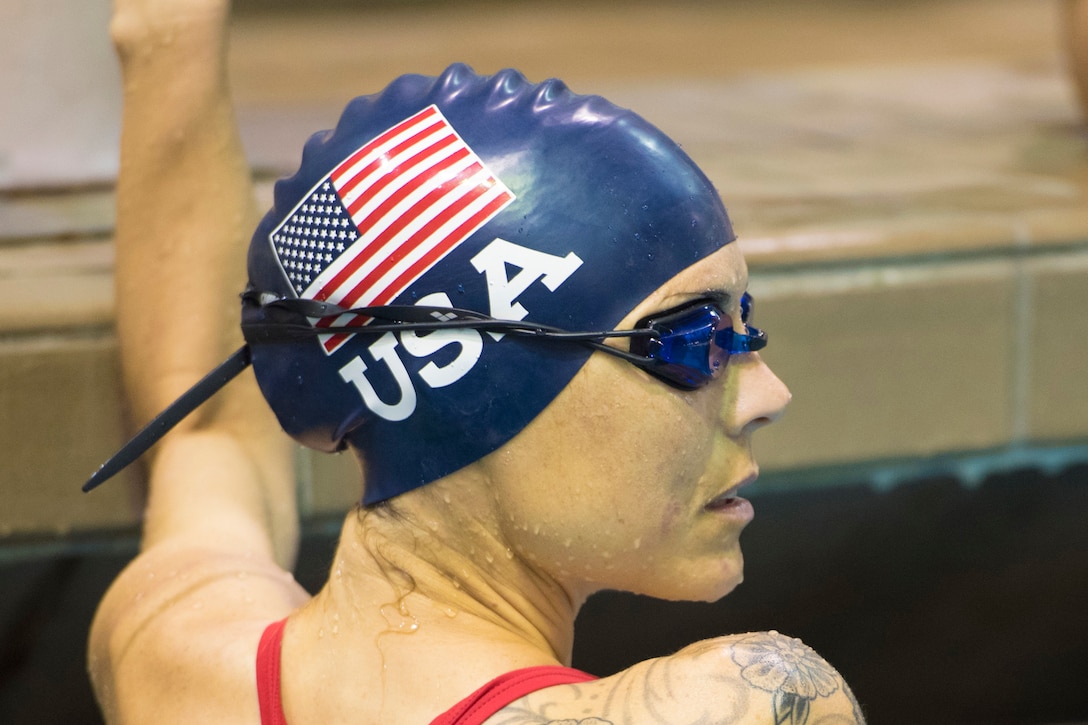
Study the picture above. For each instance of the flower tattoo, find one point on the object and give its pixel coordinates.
(787, 668)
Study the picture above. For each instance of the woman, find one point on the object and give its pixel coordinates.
(509, 471)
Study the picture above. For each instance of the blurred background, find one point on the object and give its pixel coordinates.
(909, 181)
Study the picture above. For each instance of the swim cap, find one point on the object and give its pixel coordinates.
(520, 201)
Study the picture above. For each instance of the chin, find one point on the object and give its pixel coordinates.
(700, 584)
(718, 590)
(728, 588)
(719, 577)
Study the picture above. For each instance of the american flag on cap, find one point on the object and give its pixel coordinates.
(385, 215)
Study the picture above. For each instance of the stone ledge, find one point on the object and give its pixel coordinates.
(59, 214)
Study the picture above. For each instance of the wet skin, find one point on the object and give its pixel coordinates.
(624, 482)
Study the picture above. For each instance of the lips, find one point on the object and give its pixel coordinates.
(723, 500)
(729, 499)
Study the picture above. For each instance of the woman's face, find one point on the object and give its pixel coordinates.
(626, 483)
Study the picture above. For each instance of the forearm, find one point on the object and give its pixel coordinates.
(184, 204)
(184, 214)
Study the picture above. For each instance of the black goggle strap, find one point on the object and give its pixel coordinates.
(398, 318)
(208, 386)
(418, 318)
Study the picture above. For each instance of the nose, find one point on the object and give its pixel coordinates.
(759, 396)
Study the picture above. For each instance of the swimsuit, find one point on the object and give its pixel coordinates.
(473, 710)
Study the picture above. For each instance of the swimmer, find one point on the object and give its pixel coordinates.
(523, 310)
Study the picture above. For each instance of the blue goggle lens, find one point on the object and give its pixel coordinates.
(694, 342)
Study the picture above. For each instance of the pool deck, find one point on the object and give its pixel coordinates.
(908, 180)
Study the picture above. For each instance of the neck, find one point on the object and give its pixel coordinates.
(425, 566)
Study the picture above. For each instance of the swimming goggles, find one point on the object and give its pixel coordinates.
(693, 342)
(686, 347)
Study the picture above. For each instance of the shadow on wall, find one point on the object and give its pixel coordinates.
(939, 604)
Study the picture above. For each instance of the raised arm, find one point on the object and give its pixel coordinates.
(184, 214)
(221, 524)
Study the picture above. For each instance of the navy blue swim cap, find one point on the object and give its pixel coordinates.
(517, 200)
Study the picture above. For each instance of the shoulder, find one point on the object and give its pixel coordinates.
(778, 678)
(759, 677)
(175, 638)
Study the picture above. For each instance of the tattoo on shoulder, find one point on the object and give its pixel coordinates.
(786, 668)
(792, 672)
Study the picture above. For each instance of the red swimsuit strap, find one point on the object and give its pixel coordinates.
(504, 689)
(473, 710)
(268, 675)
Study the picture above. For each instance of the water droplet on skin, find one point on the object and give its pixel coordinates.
(638, 543)
(321, 633)
(449, 612)
(536, 529)
(490, 559)
(335, 629)
(509, 553)
(399, 619)
(446, 497)
(432, 525)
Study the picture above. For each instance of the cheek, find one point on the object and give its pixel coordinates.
(647, 458)
(652, 447)
(608, 475)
